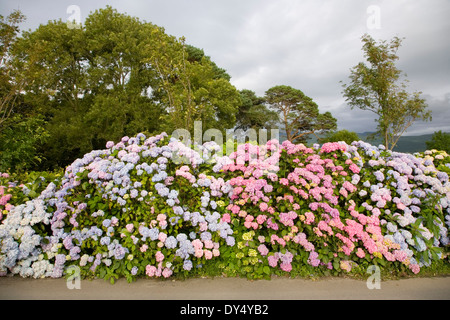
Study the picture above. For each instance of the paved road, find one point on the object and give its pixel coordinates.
(226, 289)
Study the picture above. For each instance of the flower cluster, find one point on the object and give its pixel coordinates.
(137, 207)
(412, 194)
(5, 195)
(20, 243)
(156, 207)
(332, 205)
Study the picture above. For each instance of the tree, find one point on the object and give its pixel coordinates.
(195, 54)
(341, 135)
(377, 87)
(114, 76)
(299, 113)
(192, 87)
(20, 142)
(10, 86)
(21, 132)
(253, 114)
(439, 141)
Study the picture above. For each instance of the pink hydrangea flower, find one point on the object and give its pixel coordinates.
(263, 250)
(272, 261)
(162, 236)
(261, 218)
(198, 253)
(159, 256)
(263, 206)
(197, 243)
(360, 253)
(208, 254)
(226, 218)
(167, 273)
(286, 267)
(150, 270)
(208, 244)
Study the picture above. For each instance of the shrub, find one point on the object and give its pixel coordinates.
(341, 135)
(440, 140)
(19, 188)
(154, 207)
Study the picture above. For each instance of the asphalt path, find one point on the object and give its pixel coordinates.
(433, 288)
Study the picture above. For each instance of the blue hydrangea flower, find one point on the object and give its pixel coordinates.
(230, 241)
(170, 242)
(187, 265)
(106, 223)
(134, 270)
(105, 241)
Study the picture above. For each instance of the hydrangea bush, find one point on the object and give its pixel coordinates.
(336, 207)
(155, 207)
(13, 192)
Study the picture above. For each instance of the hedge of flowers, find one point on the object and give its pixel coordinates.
(155, 207)
(13, 192)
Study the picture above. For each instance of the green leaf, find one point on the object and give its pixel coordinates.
(336, 265)
(266, 270)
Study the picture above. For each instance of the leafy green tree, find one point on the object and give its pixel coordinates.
(195, 54)
(439, 141)
(300, 115)
(21, 133)
(20, 142)
(192, 91)
(10, 86)
(341, 135)
(119, 82)
(114, 76)
(377, 87)
(253, 114)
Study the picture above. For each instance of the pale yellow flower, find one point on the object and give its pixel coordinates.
(220, 203)
(248, 235)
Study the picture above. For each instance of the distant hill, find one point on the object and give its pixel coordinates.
(407, 144)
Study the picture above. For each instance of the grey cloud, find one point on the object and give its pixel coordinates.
(309, 45)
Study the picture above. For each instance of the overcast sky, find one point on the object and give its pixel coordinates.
(309, 45)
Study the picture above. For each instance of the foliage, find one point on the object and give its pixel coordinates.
(16, 189)
(115, 76)
(253, 114)
(299, 113)
(155, 207)
(10, 87)
(341, 135)
(21, 139)
(439, 141)
(375, 88)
